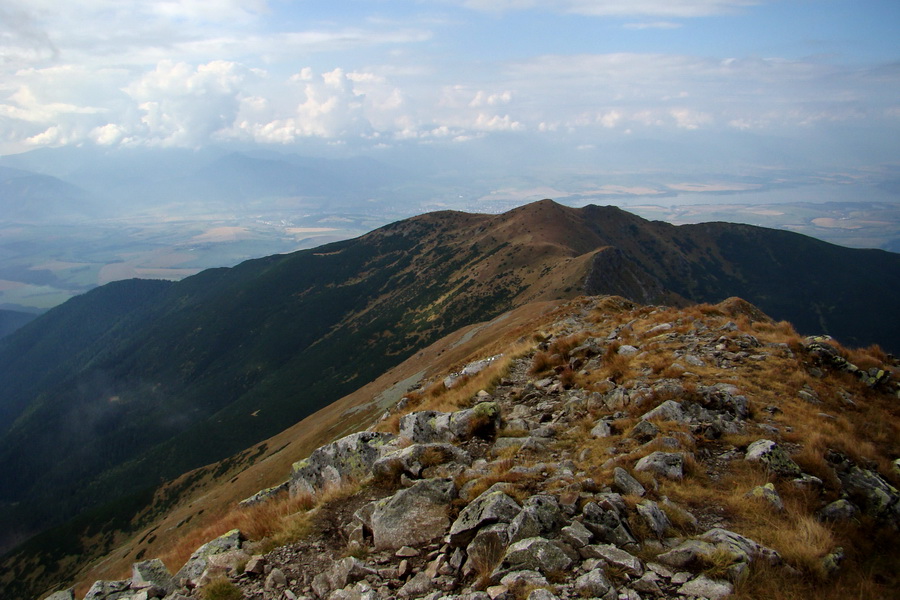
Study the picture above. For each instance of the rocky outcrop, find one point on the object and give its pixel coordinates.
(542, 489)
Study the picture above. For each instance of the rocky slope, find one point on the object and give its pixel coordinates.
(613, 451)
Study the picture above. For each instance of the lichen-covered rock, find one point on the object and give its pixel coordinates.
(535, 554)
(423, 427)
(767, 493)
(593, 584)
(264, 495)
(153, 572)
(654, 517)
(576, 535)
(742, 548)
(199, 560)
(68, 594)
(687, 553)
(839, 510)
(414, 515)
(670, 410)
(874, 495)
(492, 506)
(350, 457)
(626, 484)
(773, 457)
(109, 590)
(412, 460)
(540, 516)
(667, 464)
(339, 574)
(607, 523)
(704, 587)
(616, 557)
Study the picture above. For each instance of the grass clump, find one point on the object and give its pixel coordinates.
(222, 589)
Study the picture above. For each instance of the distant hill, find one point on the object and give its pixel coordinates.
(10, 320)
(138, 381)
(33, 196)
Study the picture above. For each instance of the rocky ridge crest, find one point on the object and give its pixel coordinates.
(628, 452)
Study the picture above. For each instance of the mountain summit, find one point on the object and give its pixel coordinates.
(137, 382)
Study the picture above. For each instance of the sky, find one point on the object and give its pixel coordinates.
(365, 75)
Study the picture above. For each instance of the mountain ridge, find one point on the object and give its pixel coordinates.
(282, 336)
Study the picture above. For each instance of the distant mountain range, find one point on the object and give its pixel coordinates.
(138, 381)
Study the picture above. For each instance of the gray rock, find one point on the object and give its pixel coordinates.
(339, 574)
(412, 460)
(416, 587)
(576, 535)
(874, 495)
(487, 548)
(593, 584)
(431, 426)
(667, 464)
(644, 431)
(492, 506)
(540, 516)
(768, 494)
(601, 430)
(199, 560)
(839, 510)
(654, 517)
(606, 523)
(153, 572)
(627, 350)
(350, 457)
(414, 515)
(773, 457)
(109, 590)
(831, 563)
(616, 557)
(264, 495)
(542, 594)
(648, 584)
(741, 547)
(68, 594)
(535, 554)
(275, 579)
(704, 587)
(685, 554)
(256, 565)
(626, 484)
(669, 410)
(522, 578)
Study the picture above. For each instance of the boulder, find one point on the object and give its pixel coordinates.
(703, 587)
(487, 548)
(541, 594)
(109, 590)
(264, 495)
(607, 525)
(626, 484)
(414, 515)
(576, 535)
(541, 515)
(768, 494)
(153, 572)
(875, 496)
(199, 560)
(654, 517)
(773, 457)
(687, 553)
(350, 457)
(667, 464)
(535, 554)
(593, 584)
(644, 431)
(669, 410)
(616, 557)
(839, 510)
(416, 587)
(742, 548)
(68, 594)
(492, 506)
(481, 420)
(412, 460)
(339, 575)
(602, 429)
